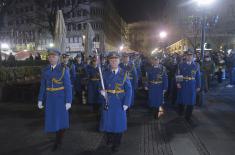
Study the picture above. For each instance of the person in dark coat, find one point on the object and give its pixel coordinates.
(93, 85)
(81, 78)
(118, 94)
(56, 96)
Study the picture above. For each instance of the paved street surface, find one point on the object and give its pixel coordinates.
(213, 130)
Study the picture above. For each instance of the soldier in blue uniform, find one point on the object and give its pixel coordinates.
(188, 81)
(118, 90)
(67, 63)
(157, 85)
(130, 69)
(93, 85)
(81, 78)
(56, 95)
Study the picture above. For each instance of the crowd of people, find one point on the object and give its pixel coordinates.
(110, 84)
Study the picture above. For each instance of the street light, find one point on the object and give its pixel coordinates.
(203, 4)
(4, 46)
(51, 45)
(163, 34)
(121, 47)
(83, 37)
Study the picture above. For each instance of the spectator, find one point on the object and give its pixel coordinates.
(38, 57)
(11, 60)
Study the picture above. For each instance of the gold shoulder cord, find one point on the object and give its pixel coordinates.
(118, 86)
(59, 80)
(124, 78)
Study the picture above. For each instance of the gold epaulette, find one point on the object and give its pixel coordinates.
(115, 91)
(55, 89)
(155, 82)
(54, 80)
(188, 78)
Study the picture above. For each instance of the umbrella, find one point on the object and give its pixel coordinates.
(60, 32)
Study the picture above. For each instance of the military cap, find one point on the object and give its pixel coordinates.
(155, 57)
(53, 51)
(113, 55)
(64, 55)
(78, 55)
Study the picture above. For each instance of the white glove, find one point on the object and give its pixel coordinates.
(125, 107)
(68, 106)
(103, 93)
(40, 106)
(145, 88)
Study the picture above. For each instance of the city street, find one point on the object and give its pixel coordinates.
(213, 130)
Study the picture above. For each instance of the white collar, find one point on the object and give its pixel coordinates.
(116, 70)
(156, 66)
(53, 66)
(189, 63)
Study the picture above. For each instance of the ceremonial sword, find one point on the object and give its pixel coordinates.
(106, 106)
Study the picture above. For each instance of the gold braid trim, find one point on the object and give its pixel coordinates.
(124, 78)
(59, 80)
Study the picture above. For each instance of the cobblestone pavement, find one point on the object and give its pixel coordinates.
(213, 130)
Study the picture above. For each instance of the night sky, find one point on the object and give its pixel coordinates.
(136, 10)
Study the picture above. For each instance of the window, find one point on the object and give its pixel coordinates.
(70, 40)
(69, 27)
(73, 14)
(84, 25)
(75, 39)
(97, 38)
(79, 26)
(84, 12)
(74, 27)
(79, 13)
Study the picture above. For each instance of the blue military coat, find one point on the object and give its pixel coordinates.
(157, 83)
(81, 76)
(191, 81)
(130, 69)
(114, 119)
(72, 72)
(93, 85)
(55, 92)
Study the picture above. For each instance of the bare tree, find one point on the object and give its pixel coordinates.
(4, 6)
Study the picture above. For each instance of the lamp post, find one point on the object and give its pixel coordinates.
(0, 55)
(163, 35)
(203, 4)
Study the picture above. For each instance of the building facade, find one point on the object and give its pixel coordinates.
(27, 25)
(143, 36)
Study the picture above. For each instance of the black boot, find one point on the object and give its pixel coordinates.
(188, 113)
(156, 113)
(58, 140)
(181, 110)
(116, 141)
(108, 139)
